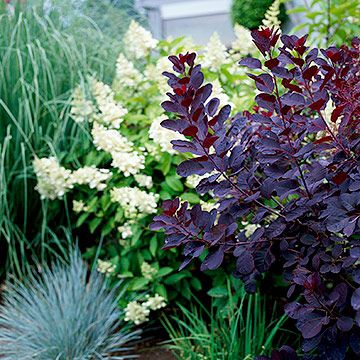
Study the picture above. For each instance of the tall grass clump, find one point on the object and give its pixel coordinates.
(39, 67)
(239, 330)
(62, 313)
(45, 50)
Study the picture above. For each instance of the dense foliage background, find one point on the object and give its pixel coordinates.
(84, 160)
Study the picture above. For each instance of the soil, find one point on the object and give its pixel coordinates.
(156, 354)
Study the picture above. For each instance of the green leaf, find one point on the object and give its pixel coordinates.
(110, 225)
(196, 284)
(172, 279)
(174, 183)
(91, 206)
(218, 291)
(165, 163)
(81, 219)
(125, 274)
(164, 271)
(93, 224)
(161, 290)
(153, 246)
(190, 197)
(138, 284)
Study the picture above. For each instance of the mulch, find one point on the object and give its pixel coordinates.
(157, 354)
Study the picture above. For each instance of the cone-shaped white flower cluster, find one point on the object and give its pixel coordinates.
(138, 41)
(162, 136)
(271, 17)
(53, 180)
(243, 43)
(105, 267)
(110, 112)
(81, 108)
(144, 180)
(138, 312)
(134, 201)
(215, 53)
(126, 74)
(147, 271)
(91, 176)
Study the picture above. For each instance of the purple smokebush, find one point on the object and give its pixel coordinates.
(286, 166)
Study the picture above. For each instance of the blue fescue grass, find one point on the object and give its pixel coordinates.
(63, 313)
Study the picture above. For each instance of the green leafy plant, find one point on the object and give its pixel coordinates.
(250, 13)
(333, 22)
(116, 187)
(242, 328)
(42, 58)
(62, 313)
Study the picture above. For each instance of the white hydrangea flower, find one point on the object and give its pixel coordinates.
(215, 53)
(208, 206)
(136, 312)
(110, 140)
(79, 206)
(125, 230)
(126, 75)
(271, 17)
(162, 136)
(105, 267)
(91, 176)
(155, 302)
(144, 180)
(218, 92)
(111, 114)
(243, 42)
(125, 158)
(53, 180)
(81, 109)
(102, 92)
(193, 181)
(250, 228)
(147, 271)
(154, 73)
(129, 163)
(138, 41)
(134, 201)
(327, 112)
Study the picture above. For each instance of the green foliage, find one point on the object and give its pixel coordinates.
(98, 25)
(63, 313)
(244, 326)
(130, 251)
(333, 22)
(39, 65)
(42, 58)
(250, 13)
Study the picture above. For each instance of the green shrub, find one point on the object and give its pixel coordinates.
(130, 167)
(328, 23)
(250, 13)
(62, 313)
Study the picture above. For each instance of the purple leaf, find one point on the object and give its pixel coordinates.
(251, 63)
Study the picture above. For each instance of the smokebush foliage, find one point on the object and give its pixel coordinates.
(288, 166)
(63, 313)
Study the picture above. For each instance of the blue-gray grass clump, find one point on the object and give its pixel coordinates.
(64, 313)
